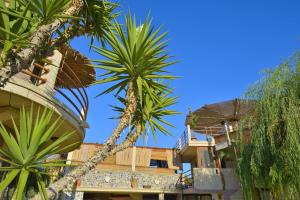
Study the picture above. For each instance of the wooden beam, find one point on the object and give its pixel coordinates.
(133, 160)
(189, 133)
(161, 196)
(199, 158)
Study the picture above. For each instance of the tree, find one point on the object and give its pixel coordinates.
(270, 162)
(27, 151)
(135, 65)
(29, 29)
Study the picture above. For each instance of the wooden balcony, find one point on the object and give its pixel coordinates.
(188, 145)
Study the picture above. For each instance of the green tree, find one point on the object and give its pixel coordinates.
(270, 162)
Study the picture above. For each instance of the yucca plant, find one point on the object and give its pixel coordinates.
(137, 55)
(135, 63)
(46, 10)
(97, 18)
(20, 19)
(94, 19)
(135, 66)
(58, 21)
(28, 149)
(16, 25)
(150, 115)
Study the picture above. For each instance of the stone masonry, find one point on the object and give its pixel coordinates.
(106, 179)
(124, 179)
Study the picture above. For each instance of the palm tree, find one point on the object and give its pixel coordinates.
(135, 66)
(46, 13)
(27, 150)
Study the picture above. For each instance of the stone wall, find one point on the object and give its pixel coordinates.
(211, 179)
(207, 179)
(124, 180)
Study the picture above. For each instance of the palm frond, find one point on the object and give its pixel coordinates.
(137, 53)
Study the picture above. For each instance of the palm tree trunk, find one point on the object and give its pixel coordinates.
(69, 180)
(24, 58)
(109, 148)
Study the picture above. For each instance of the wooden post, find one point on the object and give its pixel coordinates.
(69, 161)
(179, 196)
(199, 158)
(53, 70)
(227, 133)
(161, 196)
(189, 133)
(133, 160)
(136, 196)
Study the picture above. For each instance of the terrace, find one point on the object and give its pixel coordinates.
(209, 130)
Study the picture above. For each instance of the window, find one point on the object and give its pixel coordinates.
(158, 163)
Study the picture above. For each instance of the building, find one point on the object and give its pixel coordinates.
(134, 173)
(148, 173)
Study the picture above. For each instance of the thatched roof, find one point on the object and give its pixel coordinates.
(211, 117)
(75, 70)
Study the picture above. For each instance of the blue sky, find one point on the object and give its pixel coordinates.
(223, 46)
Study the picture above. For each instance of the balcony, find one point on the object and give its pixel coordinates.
(213, 180)
(40, 86)
(189, 139)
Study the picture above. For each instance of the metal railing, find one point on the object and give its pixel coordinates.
(183, 140)
(188, 137)
(78, 93)
(73, 100)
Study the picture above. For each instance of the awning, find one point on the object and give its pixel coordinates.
(210, 118)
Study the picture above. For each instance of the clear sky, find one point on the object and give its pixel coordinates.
(223, 46)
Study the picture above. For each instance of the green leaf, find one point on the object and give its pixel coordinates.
(8, 179)
(8, 161)
(11, 143)
(4, 20)
(54, 146)
(21, 184)
(7, 168)
(7, 46)
(41, 186)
